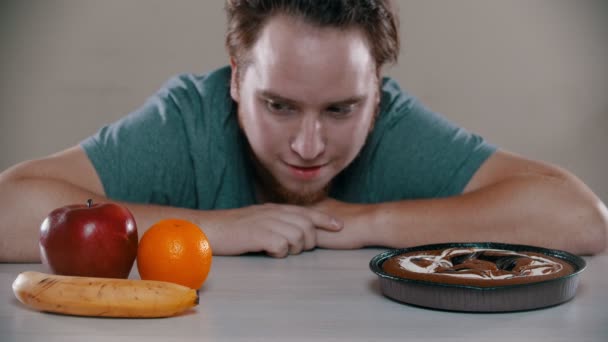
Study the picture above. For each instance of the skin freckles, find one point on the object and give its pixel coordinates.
(305, 118)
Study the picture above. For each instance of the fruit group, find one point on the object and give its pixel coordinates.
(91, 240)
(104, 297)
(174, 250)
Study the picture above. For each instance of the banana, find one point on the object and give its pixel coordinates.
(103, 297)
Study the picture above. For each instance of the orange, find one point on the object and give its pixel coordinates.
(174, 250)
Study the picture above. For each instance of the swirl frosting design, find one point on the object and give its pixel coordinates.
(477, 266)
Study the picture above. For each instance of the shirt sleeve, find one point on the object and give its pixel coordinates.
(413, 153)
(145, 157)
(428, 156)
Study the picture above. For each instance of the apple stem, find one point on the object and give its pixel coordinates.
(89, 202)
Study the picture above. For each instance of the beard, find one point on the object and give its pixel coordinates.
(269, 189)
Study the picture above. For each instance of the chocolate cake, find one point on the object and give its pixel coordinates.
(482, 267)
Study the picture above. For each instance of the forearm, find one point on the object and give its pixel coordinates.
(530, 209)
(24, 203)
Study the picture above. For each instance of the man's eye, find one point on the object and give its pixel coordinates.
(340, 111)
(277, 107)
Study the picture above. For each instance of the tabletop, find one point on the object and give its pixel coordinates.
(319, 295)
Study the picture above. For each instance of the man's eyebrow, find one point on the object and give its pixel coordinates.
(349, 101)
(276, 97)
(346, 102)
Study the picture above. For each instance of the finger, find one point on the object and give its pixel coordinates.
(298, 217)
(307, 228)
(266, 240)
(293, 233)
(319, 218)
(277, 246)
(325, 221)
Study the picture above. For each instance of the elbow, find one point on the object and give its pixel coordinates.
(590, 230)
(16, 172)
(585, 218)
(599, 229)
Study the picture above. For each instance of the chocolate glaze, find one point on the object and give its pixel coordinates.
(481, 267)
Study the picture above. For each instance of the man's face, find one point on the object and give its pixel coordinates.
(306, 103)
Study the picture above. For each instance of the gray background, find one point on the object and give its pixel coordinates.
(530, 76)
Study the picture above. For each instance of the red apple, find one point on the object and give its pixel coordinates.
(94, 240)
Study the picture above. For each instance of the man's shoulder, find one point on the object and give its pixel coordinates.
(212, 82)
(396, 104)
(394, 99)
(199, 99)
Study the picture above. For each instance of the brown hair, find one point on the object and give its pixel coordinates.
(377, 18)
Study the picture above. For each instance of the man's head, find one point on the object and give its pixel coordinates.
(376, 19)
(305, 77)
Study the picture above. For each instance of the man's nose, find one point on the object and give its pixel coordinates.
(309, 141)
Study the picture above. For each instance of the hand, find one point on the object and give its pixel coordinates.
(357, 231)
(276, 229)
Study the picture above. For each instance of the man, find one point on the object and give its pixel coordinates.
(299, 144)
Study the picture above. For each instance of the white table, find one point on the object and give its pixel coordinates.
(320, 295)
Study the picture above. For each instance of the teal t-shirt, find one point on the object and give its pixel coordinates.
(184, 148)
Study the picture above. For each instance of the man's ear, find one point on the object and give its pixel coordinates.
(234, 80)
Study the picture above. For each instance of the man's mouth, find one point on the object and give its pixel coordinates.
(305, 172)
